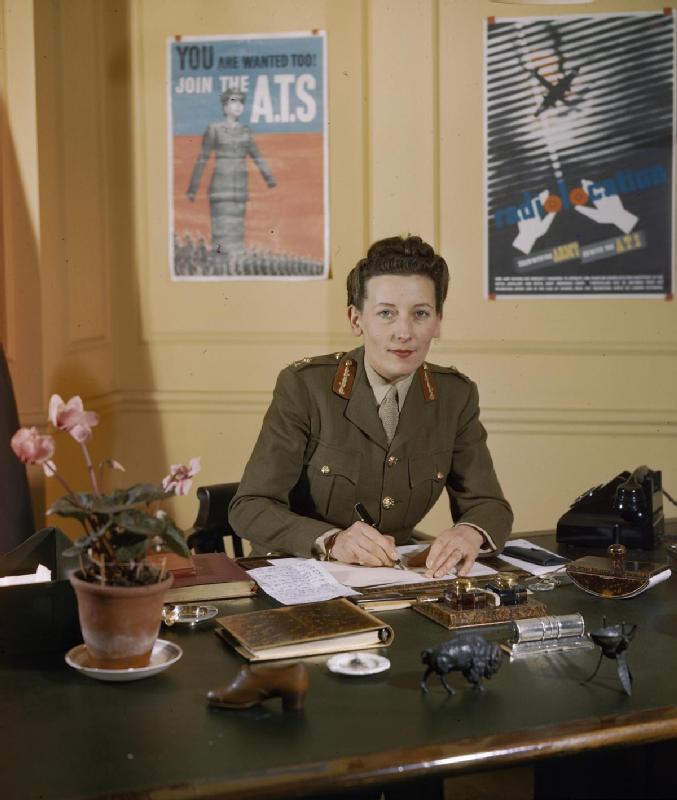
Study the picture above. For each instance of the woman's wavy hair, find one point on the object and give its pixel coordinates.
(398, 255)
(232, 91)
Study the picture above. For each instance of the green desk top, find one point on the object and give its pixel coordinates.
(67, 736)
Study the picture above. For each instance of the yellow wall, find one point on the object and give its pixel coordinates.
(573, 391)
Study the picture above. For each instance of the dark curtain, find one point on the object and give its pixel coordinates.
(16, 515)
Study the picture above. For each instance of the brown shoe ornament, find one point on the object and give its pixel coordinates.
(253, 685)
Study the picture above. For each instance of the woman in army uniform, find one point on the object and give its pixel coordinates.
(231, 142)
(378, 425)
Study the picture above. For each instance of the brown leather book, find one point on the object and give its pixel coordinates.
(303, 630)
(217, 576)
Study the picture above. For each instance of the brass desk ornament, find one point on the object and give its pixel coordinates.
(613, 577)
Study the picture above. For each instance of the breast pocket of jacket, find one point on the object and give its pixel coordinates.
(332, 476)
(427, 477)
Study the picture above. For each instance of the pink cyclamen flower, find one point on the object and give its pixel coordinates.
(32, 448)
(72, 417)
(180, 477)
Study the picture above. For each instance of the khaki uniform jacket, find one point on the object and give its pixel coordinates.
(322, 448)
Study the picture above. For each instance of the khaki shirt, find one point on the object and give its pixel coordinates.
(322, 448)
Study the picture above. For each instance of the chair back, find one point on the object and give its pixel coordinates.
(16, 513)
(211, 524)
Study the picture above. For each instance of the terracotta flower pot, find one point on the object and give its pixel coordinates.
(120, 624)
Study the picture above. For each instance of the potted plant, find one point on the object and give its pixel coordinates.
(120, 594)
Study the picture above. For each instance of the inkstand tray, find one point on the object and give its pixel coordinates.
(450, 618)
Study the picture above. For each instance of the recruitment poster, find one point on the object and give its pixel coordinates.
(579, 171)
(248, 157)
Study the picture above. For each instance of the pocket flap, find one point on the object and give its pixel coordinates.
(429, 467)
(328, 460)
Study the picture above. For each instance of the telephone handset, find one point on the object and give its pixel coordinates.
(627, 510)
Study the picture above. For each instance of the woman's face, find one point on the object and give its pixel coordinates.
(233, 107)
(398, 321)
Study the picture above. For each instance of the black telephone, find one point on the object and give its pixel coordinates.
(627, 510)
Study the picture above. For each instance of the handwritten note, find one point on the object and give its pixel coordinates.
(299, 580)
(355, 576)
(352, 575)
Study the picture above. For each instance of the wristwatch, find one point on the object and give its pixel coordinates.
(329, 543)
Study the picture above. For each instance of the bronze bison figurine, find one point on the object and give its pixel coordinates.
(468, 653)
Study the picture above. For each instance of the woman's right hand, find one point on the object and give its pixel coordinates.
(364, 545)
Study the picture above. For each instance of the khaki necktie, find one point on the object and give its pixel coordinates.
(389, 413)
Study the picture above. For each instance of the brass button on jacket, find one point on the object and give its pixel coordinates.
(387, 502)
(392, 460)
(325, 469)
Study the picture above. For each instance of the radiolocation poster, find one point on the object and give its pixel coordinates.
(248, 157)
(579, 155)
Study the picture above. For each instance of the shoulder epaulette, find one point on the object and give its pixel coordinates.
(427, 382)
(448, 370)
(344, 377)
(308, 361)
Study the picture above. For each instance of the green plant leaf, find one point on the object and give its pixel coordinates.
(137, 521)
(130, 546)
(79, 506)
(146, 493)
(173, 538)
(85, 542)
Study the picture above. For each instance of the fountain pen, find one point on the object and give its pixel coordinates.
(365, 516)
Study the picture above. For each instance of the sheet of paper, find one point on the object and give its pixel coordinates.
(534, 569)
(659, 578)
(477, 570)
(298, 580)
(41, 575)
(356, 576)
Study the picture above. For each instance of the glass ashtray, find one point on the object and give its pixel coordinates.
(544, 585)
(187, 614)
(549, 581)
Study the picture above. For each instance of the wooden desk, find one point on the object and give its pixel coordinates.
(67, 736)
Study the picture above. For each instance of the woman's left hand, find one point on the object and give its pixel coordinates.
(456, 547)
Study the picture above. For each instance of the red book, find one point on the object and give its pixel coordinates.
(217, 576)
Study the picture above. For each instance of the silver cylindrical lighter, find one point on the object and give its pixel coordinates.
(540, 629)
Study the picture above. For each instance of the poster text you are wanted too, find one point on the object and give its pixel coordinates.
(248, 157)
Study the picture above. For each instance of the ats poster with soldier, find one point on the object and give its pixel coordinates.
(579, 171)
(248, 157)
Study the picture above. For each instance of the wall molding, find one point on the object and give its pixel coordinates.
(167, 401)
(505, 347)
(102, 337)
(590, 347)
(581, 421)
(499, 420)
